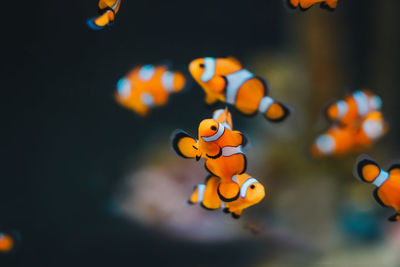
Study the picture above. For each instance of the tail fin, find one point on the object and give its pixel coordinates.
(273, 111)
(184, 145)
(197, 195)
(366, 169)
(102, 21)
(394, 218)
(329, 4)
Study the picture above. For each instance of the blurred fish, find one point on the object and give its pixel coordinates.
(305, 4)
(209, 194)
(107, 10)
(148, 86)
(6, 243)
(337, 140)
(372, 127)
(387, 192)
(353, 106)
(224, 79)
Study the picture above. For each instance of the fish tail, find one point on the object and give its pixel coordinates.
(98, 23)
(394, 218)
(366, 169)
(273, 110)
(331, 3)
(197, 195)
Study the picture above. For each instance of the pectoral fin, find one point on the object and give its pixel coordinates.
(184, 145)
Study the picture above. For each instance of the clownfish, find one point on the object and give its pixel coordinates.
(225, 80)
(337, 140)
(305, 4)
(220, 146)
(6, 243)
(387, 192)
(372, 127)
(251, 192)
(352, 107)
(341, 139)
(148, 86)
(107, 10)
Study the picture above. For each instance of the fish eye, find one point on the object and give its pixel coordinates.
(201, 65)
(213, 128)
(252, 186)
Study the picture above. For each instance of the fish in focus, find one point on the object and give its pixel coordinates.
(107, 10)
(305, 4)
(352, 107)
(251, 193)
(6, 243)
(225, 80)
(220, 146)
(387, 191)
(148, 86)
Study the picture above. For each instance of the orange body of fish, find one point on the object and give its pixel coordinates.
(148, 86)
(208, 194)
(353, 107)
(387, 192)
(221, 147)
(6, 243)
(225, 80)
(305, 4)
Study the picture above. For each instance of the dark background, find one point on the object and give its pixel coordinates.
(65, 140)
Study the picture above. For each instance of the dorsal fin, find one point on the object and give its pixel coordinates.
(394, 169)
(235, 61)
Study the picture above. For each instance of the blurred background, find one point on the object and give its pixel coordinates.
(85, 182)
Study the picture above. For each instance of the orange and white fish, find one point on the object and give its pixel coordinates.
(6, 243)
(221, 147)
(251, 192)
(225, 80)
(387, 192)
(353, 106)
(372, 127)
(337, 140)
(107, 10)
(305, 4)
(342, 139)
(148, 86)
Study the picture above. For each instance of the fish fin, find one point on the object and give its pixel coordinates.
(395, 217)
(184, 145)
(223, 116)
(366, 169)
(210, 99)
(235, 61)
(394, 169)
(305, 6)
(226, 210)
(228, 192)
(375, 194)
(325, 6)
(329, 4)
(100, 22)
(211, 199)
(194, 197)
(277, 112)
(236, 214)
